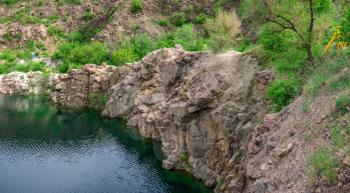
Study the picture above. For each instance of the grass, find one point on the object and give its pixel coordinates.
(325, 70)
(342, 103)
(323, 163)
(337, 135)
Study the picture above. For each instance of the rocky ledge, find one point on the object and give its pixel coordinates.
(201, 106)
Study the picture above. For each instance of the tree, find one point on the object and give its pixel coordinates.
(224, 30)
(301, 17)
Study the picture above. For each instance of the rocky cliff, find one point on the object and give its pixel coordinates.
(201, 106)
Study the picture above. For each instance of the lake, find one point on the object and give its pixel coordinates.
(50, 149)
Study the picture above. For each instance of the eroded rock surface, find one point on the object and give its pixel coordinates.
(201, 106)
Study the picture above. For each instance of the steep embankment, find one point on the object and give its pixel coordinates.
(305, 147)
(201, 106)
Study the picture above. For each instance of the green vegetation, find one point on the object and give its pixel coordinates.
(342, 103)
(178, 19)
(282, 92)
(323, 163)
(9, 2)
(74, 54)
(224, 30)
(136, 6)
(338, 138)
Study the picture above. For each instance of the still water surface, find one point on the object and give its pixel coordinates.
(46, 149)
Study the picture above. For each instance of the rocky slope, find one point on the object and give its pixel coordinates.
(279, 153)
(31, 20)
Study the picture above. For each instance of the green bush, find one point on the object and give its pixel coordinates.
(93, 53)
(185, 36)
(322, 162)
(200, 19)
(164, 22)
(224, 30)
(142, 45)
(9, 2)
(54, 31)
(136, 6)
(123, 56)
(282, 92)
(75, 36)
(8, 55)
(63, 68)
(6, 67)
(178, 18)
(88, 16)
(342, 103)
(271, 41)
(74, 54)
(37, 66)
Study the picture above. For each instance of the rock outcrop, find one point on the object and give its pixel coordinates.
(200, 106)
(87, 87)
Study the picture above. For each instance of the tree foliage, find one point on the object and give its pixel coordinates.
(224, 30)
(305, 20)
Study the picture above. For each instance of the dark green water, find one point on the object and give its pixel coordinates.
(45, 149)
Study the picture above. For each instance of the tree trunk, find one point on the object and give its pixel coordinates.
(308, 46)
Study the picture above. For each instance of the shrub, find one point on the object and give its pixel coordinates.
(185, 36)
(75, 36)
(322, 162)
(200, 19)
(93, 53)
(22, 68)
(74, 54)
(8, 55)
(63, 68)
(54, 31)
(164, 22)
(282, 92)
(272, 42)
(123, 56)
(6, 67)
(224, 30)
(178, 19)
(9, 2)
(342, 103)
(88, 16)
(142, 45)
(37, 66)
(136, 6)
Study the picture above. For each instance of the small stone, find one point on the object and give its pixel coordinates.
(264, 167)
(346, 161)
(285, 151)
(167, 164)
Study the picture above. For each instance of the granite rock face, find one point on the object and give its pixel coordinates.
(86, 87)
(200, 106)
(21, 83)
